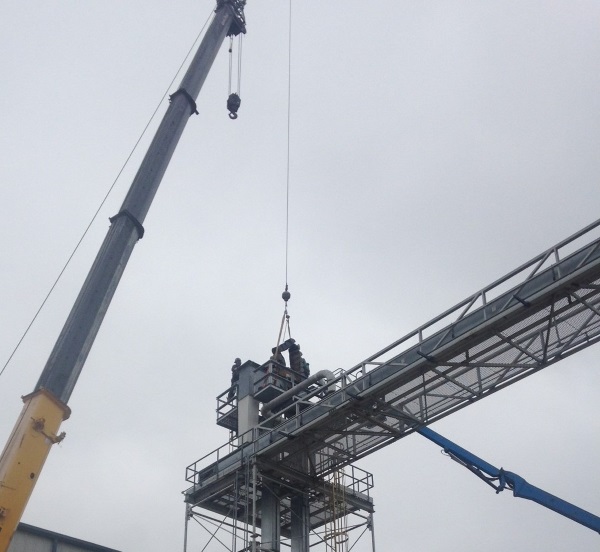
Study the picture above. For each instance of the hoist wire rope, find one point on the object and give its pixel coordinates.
(230, 64)
(239, 68)
(289, 112)
(287, 184)
(238, 90)
(110, 189)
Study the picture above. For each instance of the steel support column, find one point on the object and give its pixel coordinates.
(300, 524)
(270, 511)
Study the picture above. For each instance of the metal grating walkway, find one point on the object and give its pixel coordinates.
(540, 313)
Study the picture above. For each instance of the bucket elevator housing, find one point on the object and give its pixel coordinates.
(277, 473)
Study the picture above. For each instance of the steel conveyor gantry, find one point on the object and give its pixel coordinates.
(538, 314)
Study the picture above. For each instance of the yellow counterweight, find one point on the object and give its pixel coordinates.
(24, 456)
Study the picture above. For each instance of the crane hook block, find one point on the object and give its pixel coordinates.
(286, 295)
(233, 104)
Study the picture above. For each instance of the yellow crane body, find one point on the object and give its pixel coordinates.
(24, 455)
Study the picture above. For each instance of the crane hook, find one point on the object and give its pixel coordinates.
(233, 104)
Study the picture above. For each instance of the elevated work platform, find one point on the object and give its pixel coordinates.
(269, 381)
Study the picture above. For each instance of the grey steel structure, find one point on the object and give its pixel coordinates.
(538, 314)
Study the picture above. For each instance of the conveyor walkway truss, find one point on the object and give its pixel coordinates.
(538, 314)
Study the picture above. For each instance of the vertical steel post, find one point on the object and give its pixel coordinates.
(188, 510)
(300, 514)
(254, 506)
(270, 513)
(372, 527)
(300, 523)
(234, 517)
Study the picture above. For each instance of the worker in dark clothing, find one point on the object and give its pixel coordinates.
(295, 357)
(305, 369)
(235, 376)
(277, 356)
(297, 363)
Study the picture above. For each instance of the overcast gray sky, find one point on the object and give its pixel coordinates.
(435, 145)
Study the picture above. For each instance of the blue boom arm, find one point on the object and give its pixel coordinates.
(500, 479)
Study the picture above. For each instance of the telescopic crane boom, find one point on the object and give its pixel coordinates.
(46, 407)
